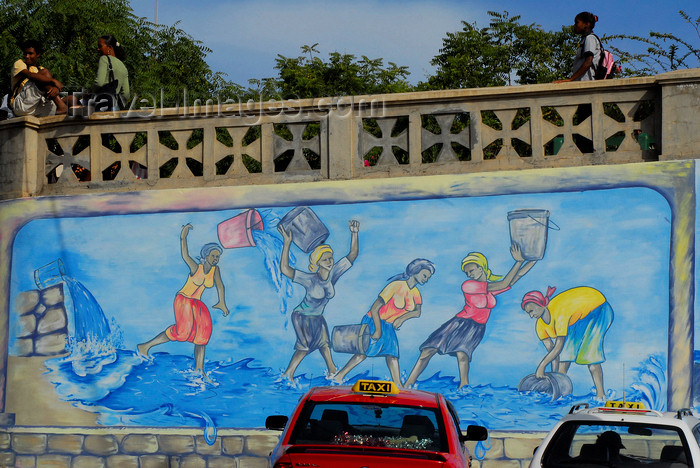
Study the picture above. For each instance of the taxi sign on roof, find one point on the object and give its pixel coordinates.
(376, 387)
(624, 404)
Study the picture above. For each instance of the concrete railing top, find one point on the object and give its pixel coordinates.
(352, 137)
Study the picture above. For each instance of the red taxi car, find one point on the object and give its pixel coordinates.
(372, 424)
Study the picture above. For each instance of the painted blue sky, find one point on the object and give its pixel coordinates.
(613, 240)
(246, 36)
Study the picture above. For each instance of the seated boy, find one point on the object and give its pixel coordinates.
(34, 90)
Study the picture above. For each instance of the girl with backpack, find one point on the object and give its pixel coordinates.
(589, 51)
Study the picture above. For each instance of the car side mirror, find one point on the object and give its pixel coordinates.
(276, 422)
(475, 432)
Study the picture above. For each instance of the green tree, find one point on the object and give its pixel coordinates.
(503, 53)
(173, 61)
(308, 75)
(68, 31)
(663, 51)
(157, 57)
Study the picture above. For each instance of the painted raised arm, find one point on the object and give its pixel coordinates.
(285, 267)
(184, 251)
(354, 226)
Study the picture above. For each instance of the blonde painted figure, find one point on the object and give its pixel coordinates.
(460, 335)
(307, 318)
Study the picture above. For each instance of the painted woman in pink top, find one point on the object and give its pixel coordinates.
(192, 318)
(460, 335)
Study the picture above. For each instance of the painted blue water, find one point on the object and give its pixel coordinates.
(650, 385)
(89, 322)
(164, 390)
(270, 244)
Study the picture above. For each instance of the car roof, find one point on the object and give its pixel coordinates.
(345, 394)
(602, 414)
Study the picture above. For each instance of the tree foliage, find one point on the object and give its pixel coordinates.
(173, 61)
(308, 75)
(503, 53)
(663, 51)
(157, 57)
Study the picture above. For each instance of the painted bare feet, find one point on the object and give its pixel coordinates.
(143, 349)
(336, 378)
(288, 377)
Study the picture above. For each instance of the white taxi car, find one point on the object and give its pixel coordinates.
(621, 435)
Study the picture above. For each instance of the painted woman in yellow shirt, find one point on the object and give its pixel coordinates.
(572, 326)
(192, 319)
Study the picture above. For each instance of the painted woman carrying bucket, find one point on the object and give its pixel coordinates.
(572, 327)
(460, 335)
(309, 324)
(399, 301)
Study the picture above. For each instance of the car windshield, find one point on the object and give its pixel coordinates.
(370, 425)
(620, 444)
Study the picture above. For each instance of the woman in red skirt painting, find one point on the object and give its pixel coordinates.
(192, 319)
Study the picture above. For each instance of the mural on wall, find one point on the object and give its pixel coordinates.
(221, 317)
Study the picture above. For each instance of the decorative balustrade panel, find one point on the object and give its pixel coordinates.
(272, 142)
(146, 153)
(514, 133)
(413, 134)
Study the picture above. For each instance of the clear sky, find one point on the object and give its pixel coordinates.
(246, 36)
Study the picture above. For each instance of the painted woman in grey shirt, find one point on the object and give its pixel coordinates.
(309, 324)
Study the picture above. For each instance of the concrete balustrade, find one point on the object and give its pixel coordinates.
(356, 137)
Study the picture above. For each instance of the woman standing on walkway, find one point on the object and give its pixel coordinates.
(309, 324)
(460, 335)
(399, 301)
(588, 54)
(112, 76)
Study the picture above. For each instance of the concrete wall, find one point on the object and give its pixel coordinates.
(152, 448)
(627, 230)
(158, 448)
